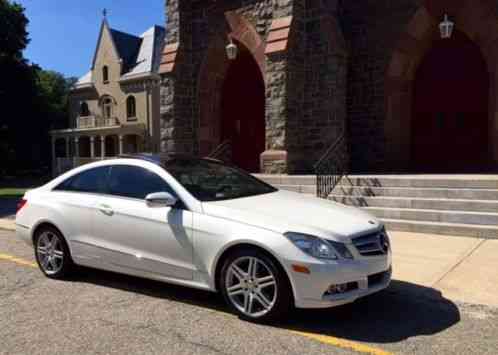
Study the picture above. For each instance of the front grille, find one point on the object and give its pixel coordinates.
(372, 244)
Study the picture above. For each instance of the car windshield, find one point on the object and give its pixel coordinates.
(214, 181)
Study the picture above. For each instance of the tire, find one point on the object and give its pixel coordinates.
(249, 292)
(55, 262)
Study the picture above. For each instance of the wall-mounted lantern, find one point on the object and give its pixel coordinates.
(232, 50)
(446, 27)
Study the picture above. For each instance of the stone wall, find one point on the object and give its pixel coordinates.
(305, 83)
(372, 28)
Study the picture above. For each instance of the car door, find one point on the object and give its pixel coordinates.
(75, 198)
(140, 238)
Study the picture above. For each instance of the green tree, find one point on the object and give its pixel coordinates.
(53, 90)
(13, 30)
(33, 101)
(17, 83)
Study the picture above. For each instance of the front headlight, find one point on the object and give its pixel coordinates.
(314, 246)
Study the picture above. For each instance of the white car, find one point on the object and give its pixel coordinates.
(203, 224)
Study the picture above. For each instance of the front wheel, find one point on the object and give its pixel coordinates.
(255, 287)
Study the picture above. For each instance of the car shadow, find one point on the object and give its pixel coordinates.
(402, 311)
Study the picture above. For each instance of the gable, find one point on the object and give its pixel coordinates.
(105, 46)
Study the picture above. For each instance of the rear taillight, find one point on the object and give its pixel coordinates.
(21, 204)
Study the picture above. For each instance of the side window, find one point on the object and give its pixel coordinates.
(136, 182)
(92, 181)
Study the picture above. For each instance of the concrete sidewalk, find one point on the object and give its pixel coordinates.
(7, 224)
(462, 269)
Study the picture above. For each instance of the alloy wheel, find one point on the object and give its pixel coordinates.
(251, 286)
(50, 253)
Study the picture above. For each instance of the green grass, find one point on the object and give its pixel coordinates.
(11, 192)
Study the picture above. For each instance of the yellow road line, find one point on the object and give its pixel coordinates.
(342, 343)
(17, 260)
(325, 339)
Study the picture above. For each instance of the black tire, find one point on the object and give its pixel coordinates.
(65, 265)
(284, 297)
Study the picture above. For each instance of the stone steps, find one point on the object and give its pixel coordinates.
(419, 203)
(463, 217)
(453, 229)
(461, 205)
(418, 192)
(424, 181)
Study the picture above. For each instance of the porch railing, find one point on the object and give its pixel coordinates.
(96, 121)
(332, 167)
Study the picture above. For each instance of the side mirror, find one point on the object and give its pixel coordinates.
(160, 199)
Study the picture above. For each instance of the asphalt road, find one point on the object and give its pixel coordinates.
(104, 313)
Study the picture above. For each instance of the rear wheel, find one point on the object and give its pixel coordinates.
(52, 253)
(254, 286)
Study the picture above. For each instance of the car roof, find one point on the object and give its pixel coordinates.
(163, 158)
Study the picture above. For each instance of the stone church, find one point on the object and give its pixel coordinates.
(278, 85)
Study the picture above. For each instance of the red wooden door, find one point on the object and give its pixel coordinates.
(450, 108)
(243, 112)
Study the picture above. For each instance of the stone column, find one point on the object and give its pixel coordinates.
(76, 147)
(121, 138)
(92, 147)
(54, 157)
(68, 147)
(102, 147)
(275, 158)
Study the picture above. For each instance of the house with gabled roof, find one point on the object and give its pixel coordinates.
(114, 108)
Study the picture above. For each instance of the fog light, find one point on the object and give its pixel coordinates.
(341, 288)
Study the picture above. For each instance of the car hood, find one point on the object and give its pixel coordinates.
(286, 211)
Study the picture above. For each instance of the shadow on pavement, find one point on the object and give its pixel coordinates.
(404, 310)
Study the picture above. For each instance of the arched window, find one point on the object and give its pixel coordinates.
(107, 107)
(105, 74)
(131, 108)
(84, 111)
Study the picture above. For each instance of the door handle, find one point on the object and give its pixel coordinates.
(107, 210)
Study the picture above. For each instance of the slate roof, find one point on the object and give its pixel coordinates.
(127, 46)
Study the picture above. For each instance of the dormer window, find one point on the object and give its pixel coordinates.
(105, 74)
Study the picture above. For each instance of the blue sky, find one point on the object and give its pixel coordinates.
(64, 32)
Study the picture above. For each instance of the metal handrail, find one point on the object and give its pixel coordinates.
(332, 167)
(221, 150)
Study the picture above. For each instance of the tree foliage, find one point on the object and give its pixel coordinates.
(32, 100)
(13, 29)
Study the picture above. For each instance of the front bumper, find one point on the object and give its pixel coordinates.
(367, 276)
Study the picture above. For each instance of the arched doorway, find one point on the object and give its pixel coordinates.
(450, 108)
(243, 110)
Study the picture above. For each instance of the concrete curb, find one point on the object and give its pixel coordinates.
(7, 225)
